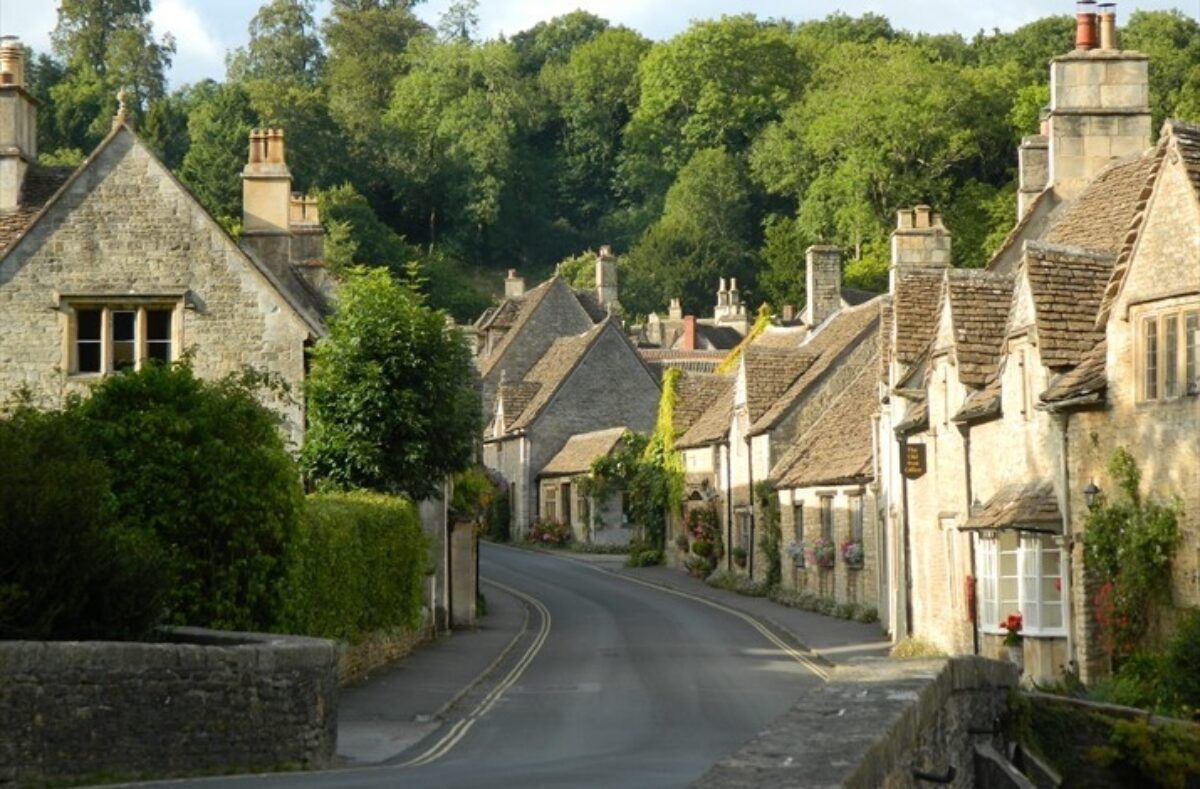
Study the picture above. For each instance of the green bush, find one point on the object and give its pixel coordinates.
(356, 566)
(1181, 665)
(498, 520)
(733, 582)
(643, 554)
(203, 466)
(67, 569)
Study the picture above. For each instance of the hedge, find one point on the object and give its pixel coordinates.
(356, 566)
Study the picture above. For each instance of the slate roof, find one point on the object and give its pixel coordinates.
(982, 404)
(719, 337)
(711, 426)
(520, 310)
(781, 337)
(41, 183)
(769, 372)
(979, 306)
(845, 330)
(853, 297)
(695, 394)
(1067, 285)
(836, 450)
(914, 308)
(1084, 385)
(577, 454)
(1030, 506)
(516, 398)
(886, 315)
(1187, 141)
(591, 305)
(1099, 217)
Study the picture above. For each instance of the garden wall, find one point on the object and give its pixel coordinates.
(201, 701)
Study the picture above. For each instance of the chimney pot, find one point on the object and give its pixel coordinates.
(689, 333)
(789, 313)
(1108, 25)
(12, 61)
(904, 219)
(1085, 25)
(922, 218)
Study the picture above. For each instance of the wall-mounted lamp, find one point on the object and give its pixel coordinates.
(1091, 494)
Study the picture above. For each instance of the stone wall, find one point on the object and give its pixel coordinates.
(202, 702)
(876, 723)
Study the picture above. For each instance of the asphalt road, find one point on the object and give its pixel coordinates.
(616, 684)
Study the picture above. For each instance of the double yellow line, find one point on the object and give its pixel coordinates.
(460, 729)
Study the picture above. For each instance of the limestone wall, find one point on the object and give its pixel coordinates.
(876, 724)
(206, 702)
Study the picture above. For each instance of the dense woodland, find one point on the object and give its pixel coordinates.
(724, 151)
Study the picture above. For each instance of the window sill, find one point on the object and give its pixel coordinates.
(1040, 634)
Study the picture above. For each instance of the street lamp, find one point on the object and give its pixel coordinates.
(1091, 494)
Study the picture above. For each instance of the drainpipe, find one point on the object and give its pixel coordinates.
(1063, 421)
(728, 504)
(908, 615)
(750, 478)
(965, 430)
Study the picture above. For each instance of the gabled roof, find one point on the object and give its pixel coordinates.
(557, 364)
(577, 454)
(1082, 386)
(41, 184)
(514, 313)
(1184, 140)
(515, 398)
(914, 306)
(886, 316)
(1030, 225)
(827, 347)
(836, 450)
(1030, 506)
(1067, 285)
(721, 338)
(1099, 217)
(768, 373)
(979, 305)
(695, 394)
(295, 294)
(711, 426)
(591, 305)
(982, 405)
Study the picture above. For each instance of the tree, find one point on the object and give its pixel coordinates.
(392, 399)
(219, 126)
(105, 45)
(704, 234)
(554, 42)
(459, 21)
(1172, 40)
(283, 45)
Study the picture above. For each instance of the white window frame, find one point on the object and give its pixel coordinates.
(1031, 551)
(142, 342)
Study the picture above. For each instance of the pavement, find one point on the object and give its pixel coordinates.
(387, 713)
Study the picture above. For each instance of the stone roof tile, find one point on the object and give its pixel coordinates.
(1067, 285)
(979, 305)
(711, 426)
(1030, 506)
(1084, 385)
(41, 183)
(695, 394)
(769, 372)
(577, 454)
(1099, 217)
(914, 307)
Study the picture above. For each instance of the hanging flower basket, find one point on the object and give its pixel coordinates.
(797, 552)
(852, 554)
(824, 553)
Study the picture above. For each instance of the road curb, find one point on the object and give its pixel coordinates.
(441, 711)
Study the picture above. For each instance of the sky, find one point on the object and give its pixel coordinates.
(205, 30)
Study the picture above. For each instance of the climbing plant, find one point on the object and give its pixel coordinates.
(1130, 543)
(730, 363)
(767, 501)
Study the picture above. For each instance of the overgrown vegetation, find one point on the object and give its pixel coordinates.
(807, 601)
(723, 151)
(767, 501)
(356, 566)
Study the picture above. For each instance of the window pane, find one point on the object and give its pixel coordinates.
(1051, 563)
(856, 520)
(1150, 359)
(827, 517)
(1191, 344)
(1170, 356)
(124, 326)
(798, 525)
(1008, 564)
(158, 325)
(88, 356)
(87, 325)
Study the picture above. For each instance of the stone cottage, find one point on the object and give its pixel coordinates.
(114, 265)
(594, 519)
(1087, 362)
(582, 383)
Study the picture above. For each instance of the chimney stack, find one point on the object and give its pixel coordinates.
(280, 228)
(675, 311)
(18, 124)
(689, 333)
(823, 283)
(789, 313)
(514, 286)
(606, 279)
(920, 239)
(1099, 104)
(1033, 166)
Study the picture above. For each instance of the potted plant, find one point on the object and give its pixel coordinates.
(1012, 639)
(852, 554)
(797, 552)
(739, 556)
(681, 542)
(824, 553)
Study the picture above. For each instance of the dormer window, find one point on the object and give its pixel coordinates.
(1169, 355)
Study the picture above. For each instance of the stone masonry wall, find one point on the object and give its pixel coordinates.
(875, 723)
(125, 229)
(206, 702)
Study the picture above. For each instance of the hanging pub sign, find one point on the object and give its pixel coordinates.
(914, 461)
